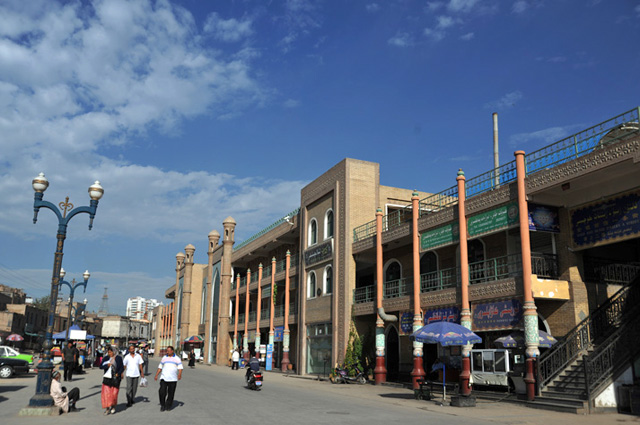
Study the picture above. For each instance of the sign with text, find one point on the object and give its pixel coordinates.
(406, 323)
(543, 218)
(318, 253)
(443, 235)
(269, 360)
(493, 220)
(446, 314)
(505, 314)
(608, 221)
(278, 333)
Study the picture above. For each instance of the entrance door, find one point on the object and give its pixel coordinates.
(393, 355)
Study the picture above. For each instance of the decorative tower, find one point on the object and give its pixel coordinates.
(214, 237)
(177, 304)
(104, 305)
(186, 292)
(224, 342)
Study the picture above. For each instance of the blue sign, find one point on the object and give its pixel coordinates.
(269, 361)
(612, 220)
(543, 218)
(406, 323)
(278, 333)
(496, 315)
(447, 314)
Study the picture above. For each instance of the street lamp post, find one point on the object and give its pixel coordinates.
(72, 287)
(64, 213)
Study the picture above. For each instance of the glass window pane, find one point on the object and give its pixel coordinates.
(501, 363)
(477, 362)
(487, 361)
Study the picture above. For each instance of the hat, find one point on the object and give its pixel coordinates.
(55, 374)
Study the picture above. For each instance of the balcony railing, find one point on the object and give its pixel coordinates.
(600, 270)
(267, 229)
(282, 264)
(278, 311)
(606, 133)
(364, 294)
(398, 288)
(440, 279)
(544, 265)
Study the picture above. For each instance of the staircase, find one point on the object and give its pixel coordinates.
(575, 370)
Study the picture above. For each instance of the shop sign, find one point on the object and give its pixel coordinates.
(318, 253)
(278, 333)
(251, 336)
(543, 218)
(496, 219)
(444, 235)
(446, 314)
(406, 323)
(609, 221)
(496, 315)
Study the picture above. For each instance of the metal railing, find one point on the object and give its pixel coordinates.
(440, 279)
(397, 218)
(240, 318)
(606, 133)
(267, 229)
(365, 294)
(243, 281)
(544, 265)
(600, 270)
(495, 269)
(278, 311)
(281, 265)
(397, 288)
(600, 324)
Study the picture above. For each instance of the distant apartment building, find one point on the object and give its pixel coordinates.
(140, 308)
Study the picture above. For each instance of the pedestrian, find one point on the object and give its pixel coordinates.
(66, 401)
(113, 366)
(192, 359)
(235, 358)
(132, 369)
(70, 358)
(171, 368)
(145, 359)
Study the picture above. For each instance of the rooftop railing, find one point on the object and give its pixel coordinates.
(606, 133)
(267, 229)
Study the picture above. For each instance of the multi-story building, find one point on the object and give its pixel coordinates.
(140, 308)
(548, 242)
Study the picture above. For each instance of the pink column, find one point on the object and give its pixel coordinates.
(259, 306)
(273, 284)
(237, 308)
(380, 372)
(465, 314)
(245, 338)
(530, 313)
(417, 373)
(285, 336)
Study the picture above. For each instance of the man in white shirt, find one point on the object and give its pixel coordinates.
(132, 370)
(171, 368)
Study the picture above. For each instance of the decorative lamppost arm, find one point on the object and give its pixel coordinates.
(72, 289)
(64, 213)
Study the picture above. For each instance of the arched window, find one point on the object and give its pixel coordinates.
(393, 271)
(311, 285)
(328, 224)
(313, 232)
(428, 262)
(327, 285)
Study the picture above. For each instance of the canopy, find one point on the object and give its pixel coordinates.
(14, 337)
(63, 334)
(445, 334)
(194, 338)
(516, 339)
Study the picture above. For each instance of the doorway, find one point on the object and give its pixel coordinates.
(393, 354)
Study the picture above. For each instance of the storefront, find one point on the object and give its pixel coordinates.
(319, 348)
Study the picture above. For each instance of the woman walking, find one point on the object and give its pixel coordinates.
(192, 359)
(113, 367)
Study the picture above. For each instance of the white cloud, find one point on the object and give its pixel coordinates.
(372, 7)
(445, 22)
(461, 5)
(468, 36)
(77, 80)
(543, 137)
(434, 34)
(228, 29)
(520, 6)
(291, 103)
(435, 5)
(637, 9)
(401, 39)
(505, 102)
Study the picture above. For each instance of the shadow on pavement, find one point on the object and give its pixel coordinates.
(399, 396)
(11, 388)
(89, 395)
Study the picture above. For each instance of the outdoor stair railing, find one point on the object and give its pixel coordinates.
(601, 323)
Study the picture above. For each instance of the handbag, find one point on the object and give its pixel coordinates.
(143, 382)
(109, 379)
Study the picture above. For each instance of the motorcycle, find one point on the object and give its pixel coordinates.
(341, 376)
(255, 381)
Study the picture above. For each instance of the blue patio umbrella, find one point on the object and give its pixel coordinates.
(445, 334)
(516, 340)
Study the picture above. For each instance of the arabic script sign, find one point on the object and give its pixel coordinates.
(446, 314)
(406, 323)
(496, 315)
(444, 235)
(606, 222)
(318, 253)
(496, 219)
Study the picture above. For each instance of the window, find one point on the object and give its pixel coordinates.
(328, 224)
(393, 272)
(313, 232)
(328, 280)
(311, 285)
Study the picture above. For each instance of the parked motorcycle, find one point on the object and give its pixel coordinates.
(255, 381)
(341, 376)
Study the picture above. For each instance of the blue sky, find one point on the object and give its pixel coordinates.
(191, 111)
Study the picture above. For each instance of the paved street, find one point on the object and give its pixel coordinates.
(216, 395)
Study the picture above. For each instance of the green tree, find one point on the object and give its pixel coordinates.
(353, 356)
(43, 303)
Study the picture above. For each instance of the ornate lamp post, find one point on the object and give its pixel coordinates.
(72, 287)
(64, 213)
